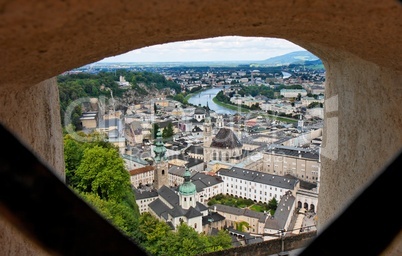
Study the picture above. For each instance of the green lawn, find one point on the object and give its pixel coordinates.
(257, 208)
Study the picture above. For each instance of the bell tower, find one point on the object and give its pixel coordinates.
(207, 129)
(161, 176)
(187, 192)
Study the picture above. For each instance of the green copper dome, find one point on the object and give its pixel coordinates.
(187, 188)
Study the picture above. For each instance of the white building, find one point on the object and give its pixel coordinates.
(257, 186)
(293, 93)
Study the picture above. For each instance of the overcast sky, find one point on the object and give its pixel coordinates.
(228, 48)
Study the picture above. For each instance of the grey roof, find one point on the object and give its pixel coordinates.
(225, 138)
(282, 213)
(169, 195)
(284, 209)
(293, 151)
(199, 206)
(202, 180)
(175, 210)
(179, 156)
(134, 159)
(193, 162)
(158, 207)
(199, 111)
(285, 182)
(192, 213)
(211, 218)
(238, 211)
(179, 170)
(254, 240)
(109, 122)
(256, 215)
(227, 209)
(143, 194)
(249, 239)
(195, 150)
(196, 129)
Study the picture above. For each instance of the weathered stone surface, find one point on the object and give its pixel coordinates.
(359, 41)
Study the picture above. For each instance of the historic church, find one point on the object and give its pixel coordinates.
(224, 147)
(171, 206)
(177, 207)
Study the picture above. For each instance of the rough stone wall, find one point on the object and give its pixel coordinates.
(270, 247)
(359, 41)
(362, 118)
(33, 115)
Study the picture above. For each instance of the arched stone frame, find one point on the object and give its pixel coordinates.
(353, 59)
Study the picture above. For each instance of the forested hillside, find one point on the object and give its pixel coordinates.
(76, 86)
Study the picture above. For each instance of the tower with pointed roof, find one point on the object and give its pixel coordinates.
(187, 192)
(161, 176)
(207, 129)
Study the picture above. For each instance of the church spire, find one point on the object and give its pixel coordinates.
(207, 114)
(159, 148)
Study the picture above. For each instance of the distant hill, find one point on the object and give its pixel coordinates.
(298, 57)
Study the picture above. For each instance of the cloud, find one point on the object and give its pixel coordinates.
(212, 49)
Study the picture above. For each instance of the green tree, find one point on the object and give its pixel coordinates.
(180, 98)
(102, 171)
(242, 226)
(124, 217)
(272, 205)
(154, 234)
(220, 241)
(168, 132)
(96, 172)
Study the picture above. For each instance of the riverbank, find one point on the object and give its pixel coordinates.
(280, 118)
(230, 106)
(245, 110)
(188, 96)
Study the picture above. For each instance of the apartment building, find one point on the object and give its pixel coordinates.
(257, 186)
(301, 163)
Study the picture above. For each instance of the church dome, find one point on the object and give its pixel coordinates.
(187, 188)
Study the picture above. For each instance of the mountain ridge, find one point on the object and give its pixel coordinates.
(297, 57)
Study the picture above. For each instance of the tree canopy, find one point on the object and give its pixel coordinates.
(159, 239)
(96, 172)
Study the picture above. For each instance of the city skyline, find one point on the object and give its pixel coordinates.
(227, 48)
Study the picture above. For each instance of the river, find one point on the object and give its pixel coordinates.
(201, 99)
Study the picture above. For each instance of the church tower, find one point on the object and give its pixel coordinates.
(300, 123)
(207, 129)
(187, 192)
(161, 176)
(219, 122)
